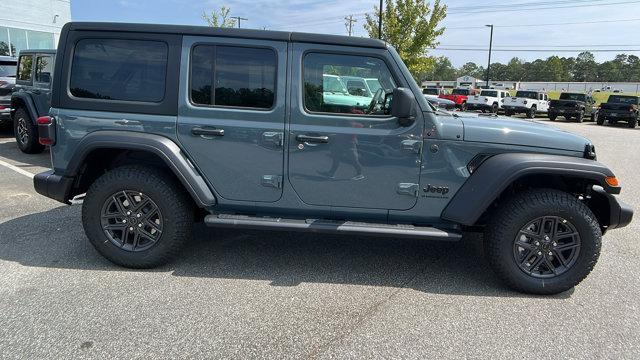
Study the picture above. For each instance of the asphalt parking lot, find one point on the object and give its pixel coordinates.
(279, 295)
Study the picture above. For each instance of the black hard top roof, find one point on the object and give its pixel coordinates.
(227, 32)
(37, 51)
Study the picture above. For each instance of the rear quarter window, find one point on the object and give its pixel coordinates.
(119, 69)
(25, 67)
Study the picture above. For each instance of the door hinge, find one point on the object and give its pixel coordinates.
(274, 181)
(412, 145)
(410, 189)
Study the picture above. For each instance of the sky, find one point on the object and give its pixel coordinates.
(612, 24)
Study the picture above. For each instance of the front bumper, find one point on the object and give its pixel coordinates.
(53, 186)
(620, 213)
(5, 111)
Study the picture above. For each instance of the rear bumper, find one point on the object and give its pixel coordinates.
(622, 115)
(515, 109)
(473, 106)
(620, 213)
(5, 110)
(53, 186)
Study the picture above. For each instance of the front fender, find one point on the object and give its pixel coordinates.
(499, 171)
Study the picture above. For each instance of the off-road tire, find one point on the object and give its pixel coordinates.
(169, 196)
(531, 113)
(600, 119)
(552, 117)
(633, 122)
(463, 106)
(494, 108)
(26, 133)
(516, 212)
(580, 117)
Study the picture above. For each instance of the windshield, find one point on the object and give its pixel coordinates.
(527, 94)
(489, 93)
(374, 85)
(7, 69)
(358, 88)
(621, 99)
(460, 92)
(333, 84)
(430, 91)
(574, 97)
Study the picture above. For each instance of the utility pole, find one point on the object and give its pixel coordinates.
(349, 24)
(380, 21)
(489, 64)
(239, 19)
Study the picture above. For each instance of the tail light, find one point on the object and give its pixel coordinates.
(46, 130)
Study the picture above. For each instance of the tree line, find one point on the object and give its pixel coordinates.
(583, 68)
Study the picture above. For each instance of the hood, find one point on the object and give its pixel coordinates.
(524, 132)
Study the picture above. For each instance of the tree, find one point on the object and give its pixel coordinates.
(586, 68)
(514, 71)
(219, 18)
(411, 27)
(442, 70)
(471, 69)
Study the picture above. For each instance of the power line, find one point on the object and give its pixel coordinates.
(518, 5)
(239, 19)
(539, 8)
(542, 46)
(549, 24)
(538, 50)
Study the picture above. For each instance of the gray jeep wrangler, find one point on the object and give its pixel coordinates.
(31, 97)
(160, 126)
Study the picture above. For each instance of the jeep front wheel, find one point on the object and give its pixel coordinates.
(463, 106)
(599, 119)
(137, 216)
(26, 133)
(543, 241)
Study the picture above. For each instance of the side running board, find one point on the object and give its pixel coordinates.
(329, 226)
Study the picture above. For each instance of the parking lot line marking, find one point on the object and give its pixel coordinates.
(16, 169)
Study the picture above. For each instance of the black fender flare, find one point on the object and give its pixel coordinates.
(29, 105)
(161, 146)
(489, 180)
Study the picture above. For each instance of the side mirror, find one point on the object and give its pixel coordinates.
(403, 106)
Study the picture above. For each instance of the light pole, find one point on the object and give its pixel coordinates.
(489, 63)
(239, 19)
(380, 21)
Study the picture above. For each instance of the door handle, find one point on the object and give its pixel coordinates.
(312, 139)
(127, 122)
(198, 131)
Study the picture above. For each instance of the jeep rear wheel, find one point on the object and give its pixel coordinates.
(137, 216)
(599, 119)
(494, 108)
(531, 113)
(580, 117)
(552, 117)
(633, 122)
(26, 133)
(463, 106)
(543, 241)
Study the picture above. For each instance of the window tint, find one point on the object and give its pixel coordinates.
(489, 93)
(329, 84)
(243, 77)
(25, 67)
(115, 69)
(44, 69)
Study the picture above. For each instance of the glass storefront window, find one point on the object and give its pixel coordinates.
(13, 40)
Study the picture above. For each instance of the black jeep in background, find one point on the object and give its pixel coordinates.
(620, 108)
(572, 106)
(32, 97)
(7, 84)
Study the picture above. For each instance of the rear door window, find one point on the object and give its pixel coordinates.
(25, 68)
(44, 69)
(233, 76)
(119, 69)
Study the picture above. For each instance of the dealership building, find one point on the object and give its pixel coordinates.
(31, 24)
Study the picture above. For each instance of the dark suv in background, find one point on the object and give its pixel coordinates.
(620, 108)
(32, 96)
(572, 106)
(7, 84)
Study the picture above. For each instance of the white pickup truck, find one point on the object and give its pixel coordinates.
(488, 100)
(529, 102)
